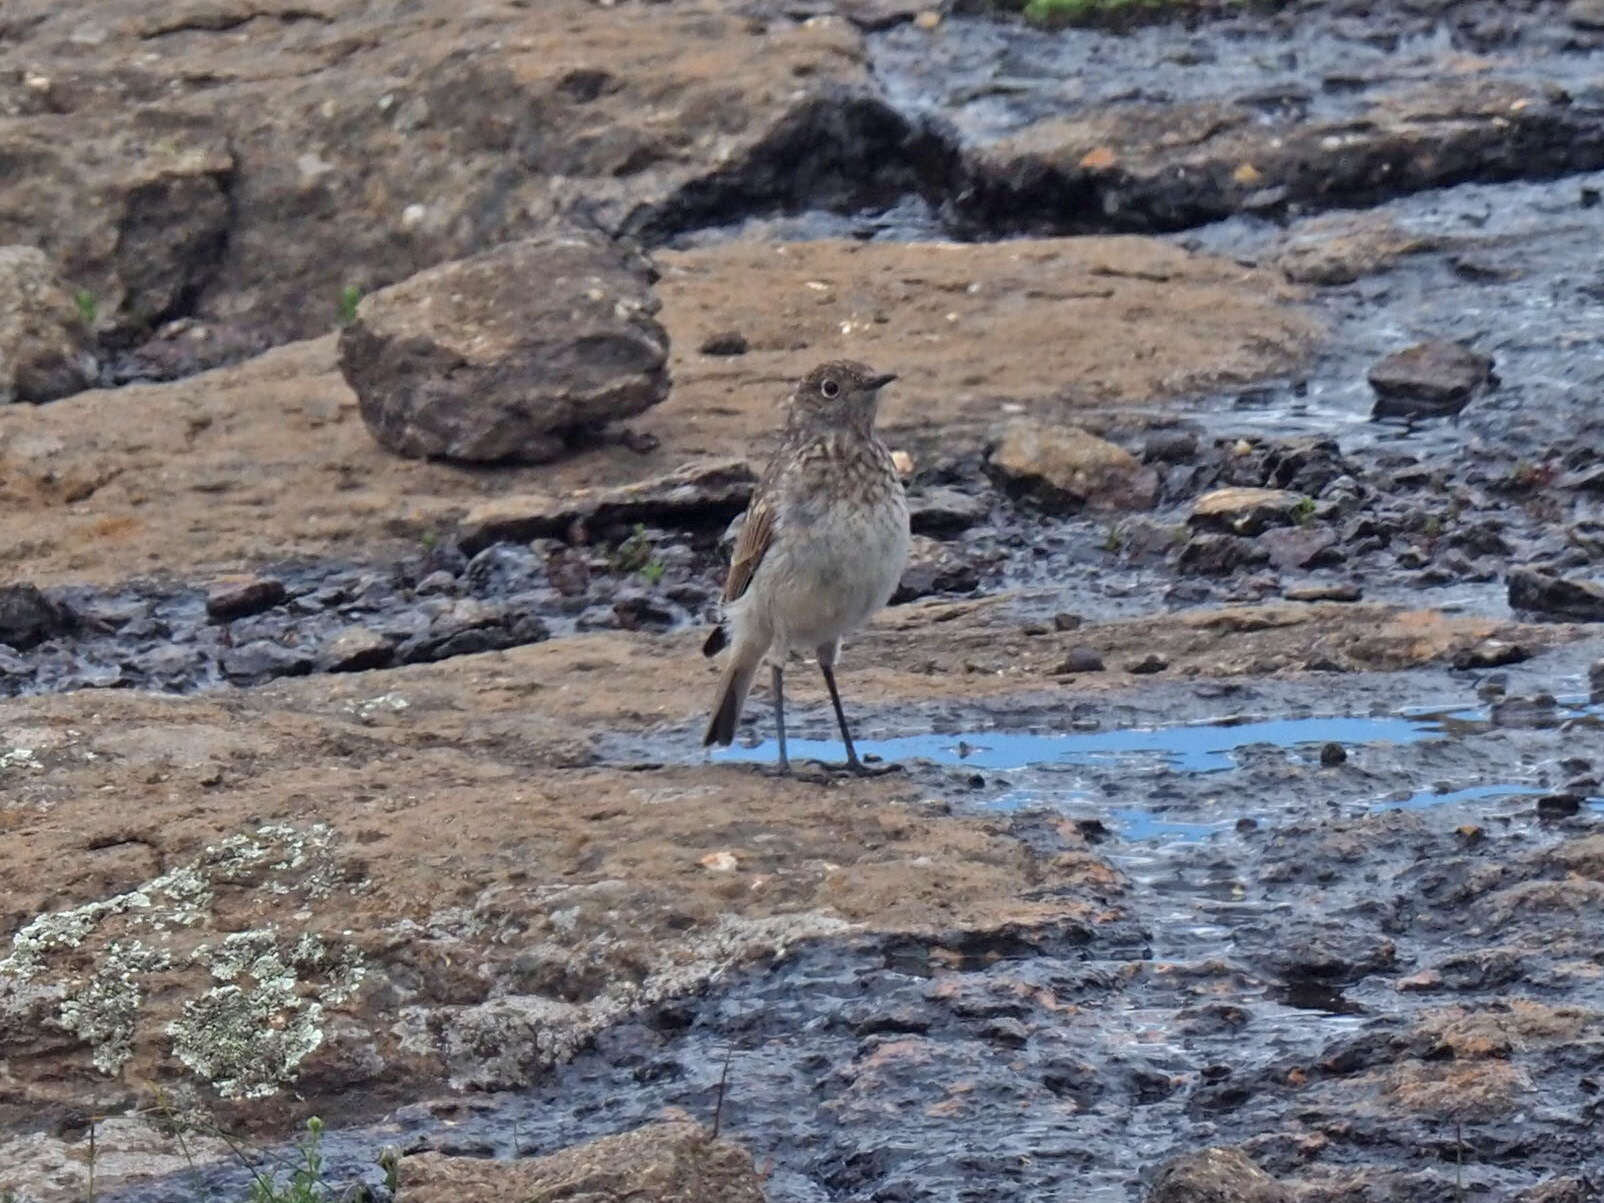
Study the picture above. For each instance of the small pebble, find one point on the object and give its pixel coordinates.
(1333, 754)
(1558, 806)
(725, 342)
(1082, 660)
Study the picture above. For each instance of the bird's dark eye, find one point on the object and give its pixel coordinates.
(829, 388)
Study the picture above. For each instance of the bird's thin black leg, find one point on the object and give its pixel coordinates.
(853, 762)
(779, 715)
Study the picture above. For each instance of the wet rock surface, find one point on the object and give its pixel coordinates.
(1247, 829)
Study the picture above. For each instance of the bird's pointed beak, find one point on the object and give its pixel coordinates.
(878, 382)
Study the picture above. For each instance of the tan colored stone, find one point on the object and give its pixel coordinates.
(472, 361)
(1243, 511)
(1216, 1176)
(1063, 468)
(665, 1163)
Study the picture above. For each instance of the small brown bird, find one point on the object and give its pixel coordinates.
(823, 547)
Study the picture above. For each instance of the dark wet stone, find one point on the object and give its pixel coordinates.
(241, 596)
(468, 627)
(1307, 466)
(1081, 660)
(439, 581)
(1215, 1176)
(356, 649)
(1563, 1190)
(874, 1019)
(1333, 754)
(1581, 601)
(1534, 711)
(262, 660)
(1430, 379)
(1306, 950)
(726, 342)
(1595, 677)
(935, 567)
(1212, 1019)
(638, 610)
(1585, 14)
(498, 569)
(1345, 592)
(1170, 447)
(569, 572)
(1295, 547)
(1479, 539)
(1559, 806)
(1220, 555)
(1482, 969)
(945, 510)
(1151, 663)
(1589, 481)
(1067, 622)
(28, 617)
(1007, 1031)
(1491, 653)
(1073, 1079)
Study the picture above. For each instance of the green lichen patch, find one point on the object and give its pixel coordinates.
(246, 1034)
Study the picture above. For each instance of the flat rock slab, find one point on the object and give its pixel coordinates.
(1428, 380)
(1146, 166)
(270, 459)
(702, 490)
(1578, 601)
(509, 354)
(665, 1163)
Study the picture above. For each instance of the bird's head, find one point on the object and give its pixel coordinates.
(841, 392)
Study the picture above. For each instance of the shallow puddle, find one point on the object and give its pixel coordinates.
(1038, 769)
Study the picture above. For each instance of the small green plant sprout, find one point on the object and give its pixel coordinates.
(653, 570)
(1055, 14)
(1303, 511)
(389, 1160)
(634, 553)
(1113, 538)
(345, 307)
(305, 1184)
(88, 307)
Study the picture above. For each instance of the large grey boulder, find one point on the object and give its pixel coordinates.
(506, 355)
(44, 342)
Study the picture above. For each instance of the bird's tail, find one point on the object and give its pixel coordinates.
(731, 696)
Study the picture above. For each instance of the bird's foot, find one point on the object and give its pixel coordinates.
(858, 769)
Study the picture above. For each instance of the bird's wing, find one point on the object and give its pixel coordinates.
(756, 533)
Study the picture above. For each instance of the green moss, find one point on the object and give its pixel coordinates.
(1057, 14)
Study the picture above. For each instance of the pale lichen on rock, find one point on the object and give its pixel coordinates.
(245, 1036)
